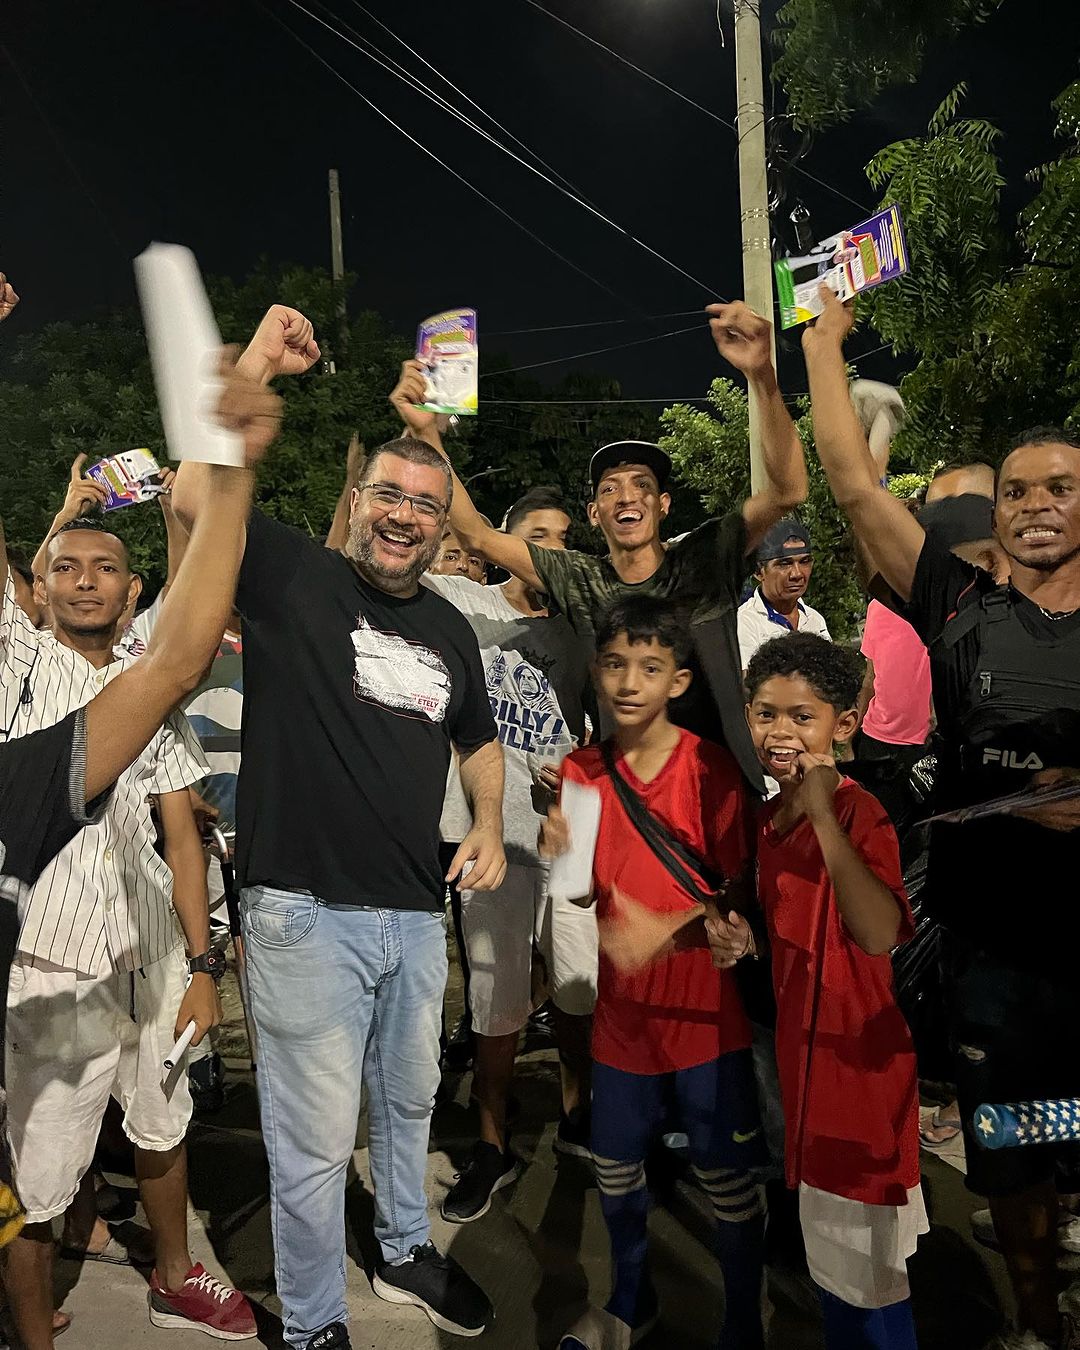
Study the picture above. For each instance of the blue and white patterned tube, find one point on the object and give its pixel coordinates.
(1018, 1124)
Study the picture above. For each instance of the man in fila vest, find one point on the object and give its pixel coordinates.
(1005, 666)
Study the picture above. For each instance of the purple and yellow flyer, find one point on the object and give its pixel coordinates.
(128, 478)
(872, 252)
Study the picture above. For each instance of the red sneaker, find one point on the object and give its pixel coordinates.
(204, 1304)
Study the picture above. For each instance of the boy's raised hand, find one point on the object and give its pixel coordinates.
(730, 939)
(554, 838)
(819, 779)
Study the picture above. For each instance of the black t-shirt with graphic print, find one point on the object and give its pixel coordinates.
(351, 701)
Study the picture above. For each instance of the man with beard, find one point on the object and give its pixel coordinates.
(356, 681)
(1003, 663)
(703, 571)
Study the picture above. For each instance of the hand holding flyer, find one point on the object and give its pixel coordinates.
(852, 261)
(128, 478)
(446, 346)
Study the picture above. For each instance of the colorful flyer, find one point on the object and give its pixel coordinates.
(446, 344)
(852, 261)
(129, 477)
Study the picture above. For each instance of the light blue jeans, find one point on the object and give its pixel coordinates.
(340, 997)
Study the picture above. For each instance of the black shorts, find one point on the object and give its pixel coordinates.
(1015, 1038)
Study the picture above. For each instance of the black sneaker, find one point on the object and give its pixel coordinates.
(487, 1171)
(437, 1284)
(539, 1030)
(573, 1135)
(333, 1337)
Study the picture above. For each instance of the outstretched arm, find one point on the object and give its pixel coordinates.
(745, 340)
(82, 495)
(504, 550)
(121, 720)
(283, 344)
(881, 521)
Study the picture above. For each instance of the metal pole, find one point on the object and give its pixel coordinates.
(337, 265)
(753, 190)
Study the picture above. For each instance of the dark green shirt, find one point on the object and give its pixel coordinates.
(704, 571)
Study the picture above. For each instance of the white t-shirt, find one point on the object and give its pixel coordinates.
(757, 625)
(537, 672)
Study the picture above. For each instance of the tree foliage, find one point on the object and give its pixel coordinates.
(709, 450)
(837, 56)
(989, 313)
(87, 387)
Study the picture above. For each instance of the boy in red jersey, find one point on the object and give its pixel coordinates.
(672, 1031)
(829, 881)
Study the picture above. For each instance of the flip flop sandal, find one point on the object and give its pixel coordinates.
(938, 1122)
(600, 1330)
(114, 1253)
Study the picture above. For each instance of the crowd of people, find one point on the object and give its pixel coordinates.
(393, 723)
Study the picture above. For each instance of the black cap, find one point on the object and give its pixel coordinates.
(966, 519)
(775, 544)
(630, 452)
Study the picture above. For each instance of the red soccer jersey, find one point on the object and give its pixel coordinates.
(680, 1011)
(845, 1055)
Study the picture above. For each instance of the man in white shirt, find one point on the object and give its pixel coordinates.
(785, 562)
(537, 676)
(97, 991)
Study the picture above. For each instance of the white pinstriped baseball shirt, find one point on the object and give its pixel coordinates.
(108, 891)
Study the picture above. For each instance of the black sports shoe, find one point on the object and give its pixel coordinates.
(539, 1030)
(333, 1337)
(487, 1171)
(573, 1135)
(437, 1284)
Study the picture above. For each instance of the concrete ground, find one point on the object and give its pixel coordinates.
(540, 1253)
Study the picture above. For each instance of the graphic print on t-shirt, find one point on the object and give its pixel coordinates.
(524, 708)
(402, 676)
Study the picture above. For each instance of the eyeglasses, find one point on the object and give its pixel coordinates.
(390, 498)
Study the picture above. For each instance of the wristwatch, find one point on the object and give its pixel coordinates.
(210, 963)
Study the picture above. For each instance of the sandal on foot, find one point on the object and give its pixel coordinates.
(116, 1253)
(947, 1126)
(600, 1330)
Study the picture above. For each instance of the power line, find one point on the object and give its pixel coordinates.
(571, 195)
(590, 323)
(596, 351)
(461, 92)
(442, 163)
(685, 98)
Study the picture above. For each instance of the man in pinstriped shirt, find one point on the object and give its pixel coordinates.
(98, 987)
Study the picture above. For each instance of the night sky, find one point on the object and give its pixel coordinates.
(207, 124)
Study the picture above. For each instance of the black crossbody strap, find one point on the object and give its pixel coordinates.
(679, 861)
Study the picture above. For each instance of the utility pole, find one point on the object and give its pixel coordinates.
(337, 266)
(753, 190)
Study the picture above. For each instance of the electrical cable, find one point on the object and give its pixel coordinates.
(596, 351)
(685, 98)
(442, 163)
(573, 196)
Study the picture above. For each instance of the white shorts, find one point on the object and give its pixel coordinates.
(500, 929)
(71, 1044)
(859, 1252)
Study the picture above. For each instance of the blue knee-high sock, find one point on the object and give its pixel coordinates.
(740, 1247)
(740, 1242)
(627, 1217)
(851, 1328)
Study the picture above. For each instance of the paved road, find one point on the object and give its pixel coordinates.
(540, 1252)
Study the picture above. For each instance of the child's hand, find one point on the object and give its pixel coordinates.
(633, 936)
(554, 837)
(730, 939)
(819, 779)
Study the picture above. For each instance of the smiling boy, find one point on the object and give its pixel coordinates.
(672, 1031)
(829, 882)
